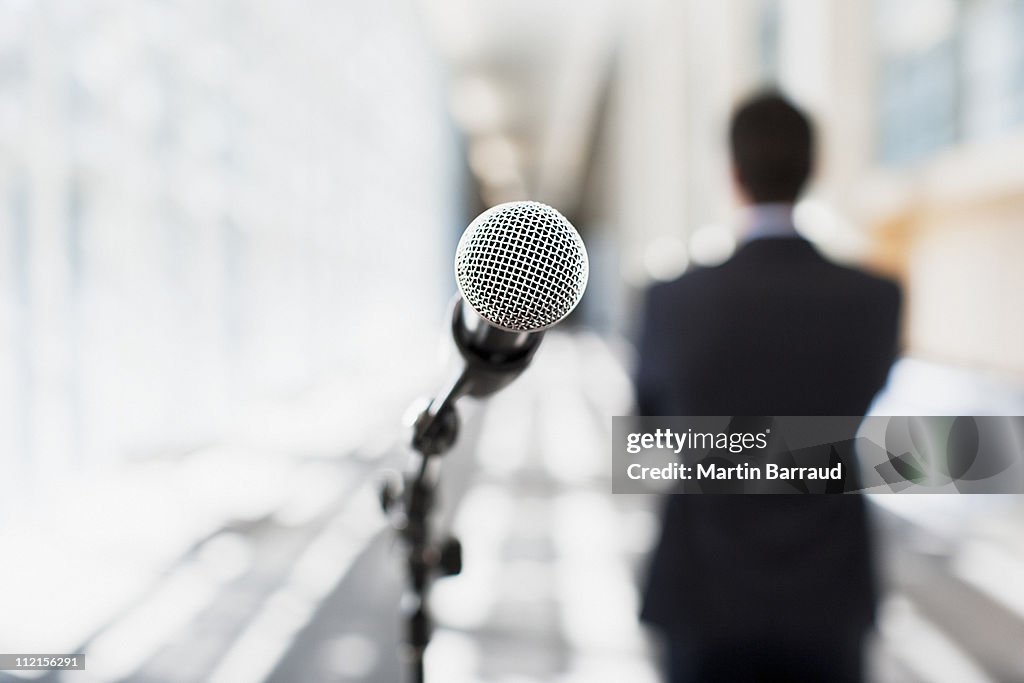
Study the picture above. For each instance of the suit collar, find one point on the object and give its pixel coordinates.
(777, 246)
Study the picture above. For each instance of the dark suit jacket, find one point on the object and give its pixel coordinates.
(776, 330)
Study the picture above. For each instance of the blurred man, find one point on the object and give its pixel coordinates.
(770, 587)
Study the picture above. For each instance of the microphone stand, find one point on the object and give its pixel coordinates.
(492, 358)
(434, 433)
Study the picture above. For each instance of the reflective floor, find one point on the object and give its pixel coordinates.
(240, 564)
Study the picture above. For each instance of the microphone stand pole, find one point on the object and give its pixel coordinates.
(434, 433)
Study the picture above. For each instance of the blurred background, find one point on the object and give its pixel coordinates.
(226, 242)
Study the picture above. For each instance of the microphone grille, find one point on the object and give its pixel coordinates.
(521, 266)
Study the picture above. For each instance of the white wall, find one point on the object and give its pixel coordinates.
(203, 204)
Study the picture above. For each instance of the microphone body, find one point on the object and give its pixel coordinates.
(492, 357)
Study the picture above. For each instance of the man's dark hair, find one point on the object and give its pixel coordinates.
(772, 147)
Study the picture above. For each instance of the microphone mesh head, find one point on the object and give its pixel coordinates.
(521, 266)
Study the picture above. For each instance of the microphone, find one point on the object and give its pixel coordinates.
(521, 268)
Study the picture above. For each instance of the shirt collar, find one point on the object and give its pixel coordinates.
(769, 220)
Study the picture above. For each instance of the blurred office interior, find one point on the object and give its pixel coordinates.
(226, 236)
